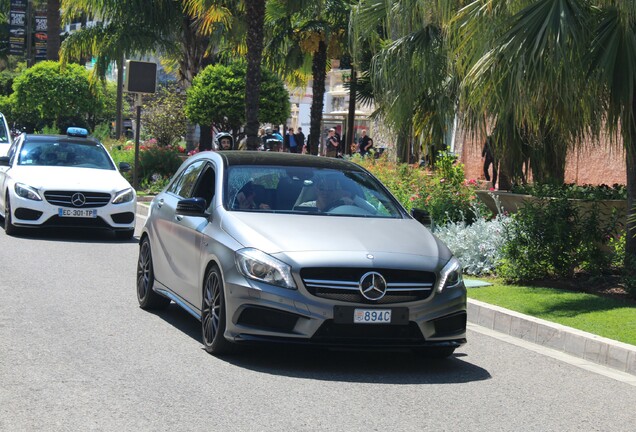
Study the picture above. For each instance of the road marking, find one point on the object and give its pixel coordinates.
(558, 355)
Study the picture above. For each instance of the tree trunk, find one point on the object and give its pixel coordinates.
(351, 117)
(319, 72)
(255, 15)
(53, 30)
(120, 97)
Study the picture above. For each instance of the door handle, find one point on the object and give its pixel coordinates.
(178, 218)
(160, 203)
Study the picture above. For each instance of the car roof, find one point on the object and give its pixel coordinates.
(60, 138)
(234, 157)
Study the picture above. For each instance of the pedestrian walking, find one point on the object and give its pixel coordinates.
(489, 159)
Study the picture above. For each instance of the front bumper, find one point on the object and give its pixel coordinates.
(262, 313)
(32, 214)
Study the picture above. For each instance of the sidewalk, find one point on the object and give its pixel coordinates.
(588, 346)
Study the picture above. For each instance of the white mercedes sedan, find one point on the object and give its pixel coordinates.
(65, 181)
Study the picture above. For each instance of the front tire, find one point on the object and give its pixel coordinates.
(9, 228)
(146, 296)
(213, 314)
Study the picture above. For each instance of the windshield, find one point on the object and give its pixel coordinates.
(307, 190)
(54, 153)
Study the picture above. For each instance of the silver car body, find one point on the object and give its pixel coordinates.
(329, 254)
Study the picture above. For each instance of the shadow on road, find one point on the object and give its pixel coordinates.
(380, 367)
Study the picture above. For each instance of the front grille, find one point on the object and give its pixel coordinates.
(343, 284)
(64, 199)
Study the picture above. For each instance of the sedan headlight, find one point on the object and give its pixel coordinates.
(450, 276)
(27, 192)
(124, 196)
(257, 265)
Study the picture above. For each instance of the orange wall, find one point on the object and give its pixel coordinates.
(591, 164)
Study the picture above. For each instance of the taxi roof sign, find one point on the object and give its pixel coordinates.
(77, 132)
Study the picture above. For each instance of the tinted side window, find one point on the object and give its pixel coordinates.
(184, 184)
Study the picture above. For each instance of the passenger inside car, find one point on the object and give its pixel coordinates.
(247, 198)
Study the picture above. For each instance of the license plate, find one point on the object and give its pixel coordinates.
(85, 213)
(372, 316)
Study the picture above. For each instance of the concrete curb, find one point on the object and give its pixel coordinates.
(588, 346)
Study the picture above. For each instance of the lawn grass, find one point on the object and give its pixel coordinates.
(607, 317)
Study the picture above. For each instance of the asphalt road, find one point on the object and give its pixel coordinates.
(77, 354)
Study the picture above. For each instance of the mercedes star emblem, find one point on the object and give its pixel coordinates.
(372, 286)
(78, 199)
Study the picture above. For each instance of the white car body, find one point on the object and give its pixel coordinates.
(67, 193)
(5, 136)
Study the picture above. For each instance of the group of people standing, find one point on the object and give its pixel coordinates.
(333, 144)
(295, 142)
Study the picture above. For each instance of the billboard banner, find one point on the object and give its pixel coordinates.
(40, 34)
(17, 27)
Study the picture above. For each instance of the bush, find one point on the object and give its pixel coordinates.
(163, 161)
(405, 182)
(164, 117)
(549, 239)
(573, 191)
(443, 192)
(477, 246)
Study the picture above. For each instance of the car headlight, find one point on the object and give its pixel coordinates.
(258, 265)
(27, 192)
(124, 196)
(450, 276)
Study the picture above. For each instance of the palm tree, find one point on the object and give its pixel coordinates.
(411, 73)
(53, 30)
(130, 27)
(307, 32)
(570, 69)
(254, 19)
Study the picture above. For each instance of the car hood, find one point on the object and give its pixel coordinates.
(69, 178)
(355, 240)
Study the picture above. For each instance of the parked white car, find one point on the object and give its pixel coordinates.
(5, 136)
(65, 181)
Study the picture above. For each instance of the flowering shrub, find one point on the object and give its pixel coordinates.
(443, 192)
(406, 182)
(159, 160)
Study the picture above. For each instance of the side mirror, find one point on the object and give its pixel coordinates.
(422, 216)
(124, 167)
(4, 161)
(192, 207)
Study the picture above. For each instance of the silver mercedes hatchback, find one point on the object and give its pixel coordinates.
(298, 249)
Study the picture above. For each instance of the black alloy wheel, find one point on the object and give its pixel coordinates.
(146, 296)
(213, 314)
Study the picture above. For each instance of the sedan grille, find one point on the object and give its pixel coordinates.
(343, 284)
(77, 199)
